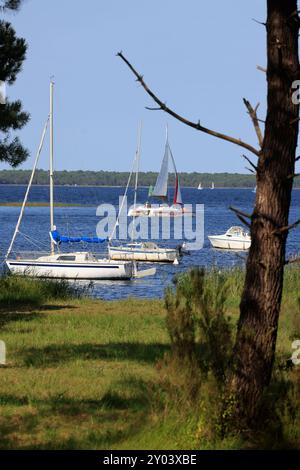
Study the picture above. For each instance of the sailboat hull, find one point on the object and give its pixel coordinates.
(158, 211)
(93, 271)
(162, 255)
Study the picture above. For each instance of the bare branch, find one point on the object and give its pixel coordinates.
(253, 114)
(249, 161)
(180, 118)
(261, 69)
(239, 212)
(153, 109)
(286, 228)
(295, 120)
(297, 158)
(250, 169)
(259, 22)
(293, 175)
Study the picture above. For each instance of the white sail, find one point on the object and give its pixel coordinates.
(161, 185)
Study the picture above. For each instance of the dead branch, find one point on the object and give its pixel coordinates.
(295, 120)
(239, 212)
(253, 114)
(259, 22)
(250, 169)
(287, 227)
(180, 118)
(244, 258)
(251, 163)
(261, 69)
(293, 175)
(297, 158)
(244, 221)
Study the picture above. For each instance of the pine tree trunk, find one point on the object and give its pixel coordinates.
(261, 298)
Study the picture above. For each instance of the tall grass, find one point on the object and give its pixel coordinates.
(201, 320)
(17, 291)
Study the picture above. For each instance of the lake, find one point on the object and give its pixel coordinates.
(83, 221)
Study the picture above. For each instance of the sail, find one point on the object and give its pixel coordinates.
(57, 238)
(161, 186)
(177, 194)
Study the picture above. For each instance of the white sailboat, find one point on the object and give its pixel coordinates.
(212, 185)
(200, 186)
(74, 265)
(140, 251)
(254, 190)
(161, 191)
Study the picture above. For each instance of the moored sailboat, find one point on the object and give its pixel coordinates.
(160, 191)
(69, 265)
(140, 251)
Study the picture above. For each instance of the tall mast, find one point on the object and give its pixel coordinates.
(51, 165)
(137, 158)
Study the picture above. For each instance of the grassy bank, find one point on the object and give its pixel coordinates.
(86, 374)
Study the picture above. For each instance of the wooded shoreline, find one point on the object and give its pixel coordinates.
(119, 179)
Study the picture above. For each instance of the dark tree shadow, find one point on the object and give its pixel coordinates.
(57, 354)
(132, 411)
(11, 314)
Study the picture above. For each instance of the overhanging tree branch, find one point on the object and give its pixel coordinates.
(253, 115)
(287, 227)
(251, 163)
(197, 126)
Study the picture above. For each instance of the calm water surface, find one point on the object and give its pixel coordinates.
(83, 220)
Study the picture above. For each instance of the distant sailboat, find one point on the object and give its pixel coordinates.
(254, 190)
(160, 191)
(200, 186)
(212, 185)
(141, 251)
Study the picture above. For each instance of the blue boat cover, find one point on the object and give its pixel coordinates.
(57, 238)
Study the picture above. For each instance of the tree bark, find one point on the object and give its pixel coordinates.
(261, 298)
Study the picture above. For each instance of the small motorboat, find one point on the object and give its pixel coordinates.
(234, 239)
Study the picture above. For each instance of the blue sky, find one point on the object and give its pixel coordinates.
(198, 56)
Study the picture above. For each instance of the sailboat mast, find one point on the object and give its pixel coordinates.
(138, 154)
(51, 165)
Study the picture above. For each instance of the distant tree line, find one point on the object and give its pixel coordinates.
(114, 178)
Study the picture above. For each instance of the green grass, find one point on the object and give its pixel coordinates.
(18, 291)
(87, 374)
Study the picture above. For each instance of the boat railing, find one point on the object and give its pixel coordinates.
(20, 255)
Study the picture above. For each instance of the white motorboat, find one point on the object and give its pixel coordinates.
(234, 239)
(74, 265)
(144, 251)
